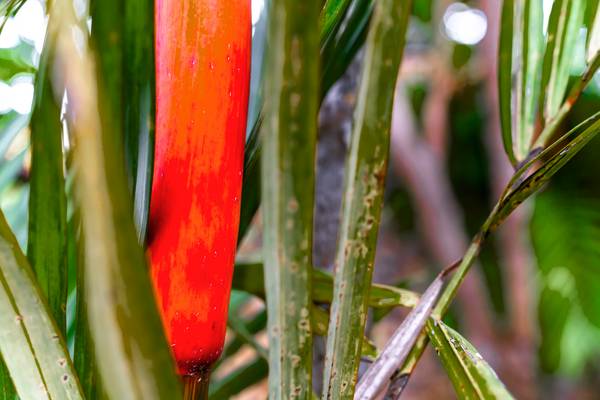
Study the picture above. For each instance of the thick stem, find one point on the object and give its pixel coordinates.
(195, 387)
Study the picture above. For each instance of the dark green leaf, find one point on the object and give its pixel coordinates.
(139, 105)
(84, 360)
(338, 51)
(553, 313)
(251, 181)
(332, 15)
(47, 244)
(7, 389)
(505, 67)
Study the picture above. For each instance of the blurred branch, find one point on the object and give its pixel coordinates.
(439, 214)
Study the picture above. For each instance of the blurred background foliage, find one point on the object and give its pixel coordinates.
(446, 85)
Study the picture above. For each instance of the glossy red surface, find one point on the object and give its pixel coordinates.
(202, 78)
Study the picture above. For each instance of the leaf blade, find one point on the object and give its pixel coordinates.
(288, 181)
(528, 81)
(47, 246)
(566, 19)
(363, 196)
(471, 376)
(505, 50)
(30, 343)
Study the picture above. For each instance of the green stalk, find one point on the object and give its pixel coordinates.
(288, 160)
(363, 197)
(47, 245)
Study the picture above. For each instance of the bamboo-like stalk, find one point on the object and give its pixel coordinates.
(363, 197)
(288, 160)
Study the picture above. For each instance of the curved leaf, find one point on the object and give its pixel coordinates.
(470, 374)
(30, 343)
(554, 158)
(505, 66)
(520, 54)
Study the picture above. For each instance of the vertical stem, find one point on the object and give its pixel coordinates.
(288, 159)
(195, 387)
(363, 197)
